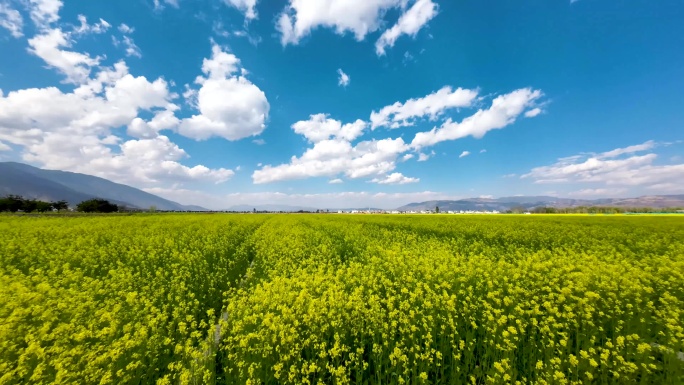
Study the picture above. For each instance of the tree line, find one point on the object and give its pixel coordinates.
(604, 210)
(15, 203)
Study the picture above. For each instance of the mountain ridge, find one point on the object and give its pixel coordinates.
(529, 202)
(53, 185)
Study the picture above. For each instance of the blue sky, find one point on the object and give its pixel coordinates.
(341, 103)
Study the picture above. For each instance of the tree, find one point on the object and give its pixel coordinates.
(29, 205)
(42, 207)
(11, 203)
(437, 209)
(60, 205)
(97, 206)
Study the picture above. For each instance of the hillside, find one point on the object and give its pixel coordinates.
(52, 185)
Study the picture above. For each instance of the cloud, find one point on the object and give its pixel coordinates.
(359, 17)
(85, 28)
(409, 23)
(320, 127)
(158, 5)
(163, 120)
(407, 157)
(131, 48)
(648, 145)
(248, 7)
(332, 157)
(343, 79)
(332, 152)
(123, 28)
(433, 105)
(533, 112)
(259, 142)
(619, 167)
(49, 46)
(346, 199)
(44, 12)
(483, 151)
(596, 192)
(503, 112)
(11, 20)
(422, 157)
(464, 154)
(75, 129)
(4, 147)
(336, 181)
(230, 106)
(395, 178)
(509, 176)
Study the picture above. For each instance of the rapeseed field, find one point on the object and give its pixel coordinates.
(341, 299)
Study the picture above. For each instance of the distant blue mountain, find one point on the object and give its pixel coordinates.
(530, 202)
(53, 185)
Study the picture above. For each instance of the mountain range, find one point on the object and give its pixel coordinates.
(529, 202)
(53, 185)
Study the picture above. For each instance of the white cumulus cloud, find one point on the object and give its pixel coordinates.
(358, 17)
(432, 106)
(332, 152)
(395, 178)
(503, 112)
(332, 157)
(321, 127)
(50, 46)
(44, 12)
(230, 105)
(76, 127)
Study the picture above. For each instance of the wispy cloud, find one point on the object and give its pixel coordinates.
(343, 79)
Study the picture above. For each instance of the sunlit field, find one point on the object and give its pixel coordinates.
(341, 299)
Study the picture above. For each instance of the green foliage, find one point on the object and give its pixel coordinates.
(14, 203)
(97, 206)
(60, 205)
(342, 299)
(115, 300)
(11, 203)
